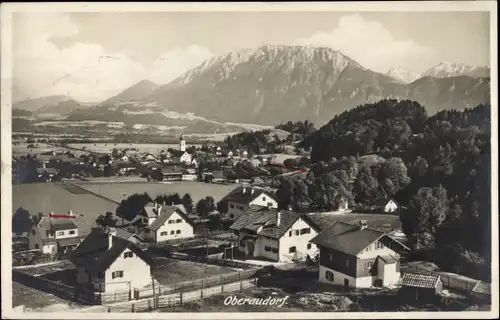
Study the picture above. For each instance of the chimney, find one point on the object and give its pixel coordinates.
(362, 224)
(244, 190)
(111, 234)
(251, 191)
(70, 213)
(44, 165)
(278, 218)
(51, 214)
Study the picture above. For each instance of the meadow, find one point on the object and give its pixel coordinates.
(47, 197)
(108, 147)
(119, 191)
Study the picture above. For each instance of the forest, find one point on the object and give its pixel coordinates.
(438, 168)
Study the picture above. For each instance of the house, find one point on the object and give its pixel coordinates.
(269, 233)
(148, 157)
(194, 162)
(189, 175)
(178, 156)
(107, 263)
(162, 222)
(356, 256)
(241, 198)
(386, 223)
(124, 158)
(218, 151)
(54, 234)
(171, 174)
(384, 206)
(420, 287)
(218, 176)
(46, 174)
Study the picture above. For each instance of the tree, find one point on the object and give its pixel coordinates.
(187, 201)
(205, 206)
(106, 220)
(131, 206)
(425, 214)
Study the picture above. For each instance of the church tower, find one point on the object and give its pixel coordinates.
(183, 144)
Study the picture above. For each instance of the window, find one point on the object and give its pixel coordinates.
(305, 231)
(329, 275)
(178, 221)
(37, 246)
(274, 250)
(231, 206)
(178, 231)
(290, 233)
(170, 221)
(378, 245)
(117, 274)
(163, 233)
(297, 232)
(292, 249)
(263, 198)
(232, 216)
(33, 232)
(270, 204)
(369, 265)
(267, 248)
(172, 232)
(60, 233)
(128, 254)
(308, 246)
(145, 220)
(72, 232)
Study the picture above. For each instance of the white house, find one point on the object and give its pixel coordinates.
(181, 157)
(241, 198)
(162, 223)
(107, 263)
(353, 255)
(276, 235)
(54, 233)
(189, 175)
(384, 206)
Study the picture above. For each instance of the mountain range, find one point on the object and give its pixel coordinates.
(271, 84)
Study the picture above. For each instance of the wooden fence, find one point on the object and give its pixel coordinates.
(57, 288)
(200, 284)
(175, 299)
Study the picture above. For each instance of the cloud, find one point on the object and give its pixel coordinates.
(370, 44)
(84, 71)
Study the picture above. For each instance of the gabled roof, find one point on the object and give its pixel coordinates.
(482, 288)
(256, 217)
(346, 237)
(95, 254)
(48, 225)
(238, 196)
(164, 214)
(382, 202)
(419, 280)
(58, 224)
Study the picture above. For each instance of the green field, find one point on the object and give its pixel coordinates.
(120, 191)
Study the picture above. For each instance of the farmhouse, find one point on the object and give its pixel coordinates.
(171, 174)
(241, 198)
(357, 256)
(162, 222)
(420, 287)
(55, 234)
(267, 232)
(189, 174)
(106, 262)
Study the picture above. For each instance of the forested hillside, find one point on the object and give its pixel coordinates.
(438, 168)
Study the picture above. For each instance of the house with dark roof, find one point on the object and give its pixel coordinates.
(159, 223)
(171, 173)
(107, 262)
(278, 235)
(54, 234)
(357, 256)
(420, 286)
(241, 198)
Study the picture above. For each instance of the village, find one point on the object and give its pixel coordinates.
(163, 252)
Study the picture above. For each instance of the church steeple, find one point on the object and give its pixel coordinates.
(183, 144)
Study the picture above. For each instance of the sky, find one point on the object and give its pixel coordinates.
(92, 56)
